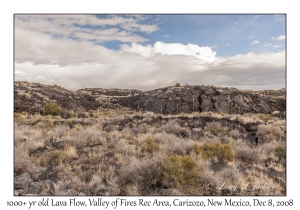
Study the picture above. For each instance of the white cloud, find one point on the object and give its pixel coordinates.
(255, 42)
(213, 47)
(42, 57)
(67, 25)
(227, 44)
(266, 45)
(203, 53)
(277, 46)
(237, 31)
(165, 35)
(235, 23)
(130, 70)
(282, 37)
(257, 16)
(19, 72)
(251, 37)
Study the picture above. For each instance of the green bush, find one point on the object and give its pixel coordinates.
(52, 109)
(175, 171)
(222, 151)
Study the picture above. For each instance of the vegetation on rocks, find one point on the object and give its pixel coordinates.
(120, 150)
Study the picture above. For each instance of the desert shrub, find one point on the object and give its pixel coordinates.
(96, 185)
(171, 127)
(196, 148)
(22, 162)
(43, 161)
(170, 144)
(280, 152)
(270, 132)
(151, 145)
(49, 122)
(56, 157)
(144, 128)
(215, 128)
(24, 113)
(71, 114)
(177, 84)
(17, 115)
(78, 127)
(52, 109)
(234, 134)
(229, 174)
(264, 117)
(70, 152)
(175, 171)
(245, 153)
(222, 151)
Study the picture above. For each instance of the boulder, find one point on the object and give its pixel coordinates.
(22, 182)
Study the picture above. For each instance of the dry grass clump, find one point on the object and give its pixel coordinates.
(265, 117)
(216, 128)
(170, 127)
(270, 132)
(170, 144)
(234, 134)
(70, 152)
(245, 153)
(56, 157)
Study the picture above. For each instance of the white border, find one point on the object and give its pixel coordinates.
(8, 8)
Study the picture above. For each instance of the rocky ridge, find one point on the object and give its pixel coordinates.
(31, 97)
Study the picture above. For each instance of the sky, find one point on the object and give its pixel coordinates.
(151, 51)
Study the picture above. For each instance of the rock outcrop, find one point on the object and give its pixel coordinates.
(31, 97)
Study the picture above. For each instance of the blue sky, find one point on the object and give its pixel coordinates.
(239, 31)
(151, 51)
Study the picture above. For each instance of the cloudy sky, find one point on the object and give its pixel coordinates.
(151, 51)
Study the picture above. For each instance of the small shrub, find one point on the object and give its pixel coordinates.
(175, 171)
(215, 128)
(78, 127)
(70, 152)
(43, 161)
(196, 148)
(56, 157)
(270, 132)
(71, 114)
(246, 154)
(177, 84)
(52, 109)
(280, 152)
(235, 134)
(222, 151)
(151, 145)
(264, 117)
(49, 122)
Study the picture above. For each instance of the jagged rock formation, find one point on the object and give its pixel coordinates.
(31, 97)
